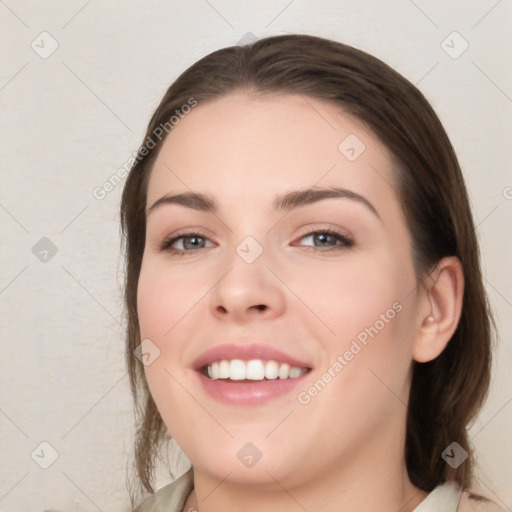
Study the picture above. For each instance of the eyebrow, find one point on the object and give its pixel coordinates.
(298, 198)
(200, 202)
(286, 202)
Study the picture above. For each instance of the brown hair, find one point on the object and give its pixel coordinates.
(446, 393)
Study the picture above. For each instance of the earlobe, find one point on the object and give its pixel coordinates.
(441, 309)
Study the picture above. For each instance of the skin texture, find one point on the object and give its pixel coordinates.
(344, 449)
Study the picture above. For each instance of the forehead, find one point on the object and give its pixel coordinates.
(246, 147)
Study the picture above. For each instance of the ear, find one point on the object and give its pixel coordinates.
(440, 306)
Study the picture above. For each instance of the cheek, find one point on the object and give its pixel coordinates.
(168, 304)
(364, 312)
(164, 298)
(162, 301)
(365, 377)
(350, 295)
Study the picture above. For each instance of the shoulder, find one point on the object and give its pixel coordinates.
(170, 498)
(471, 503)
(449, 497)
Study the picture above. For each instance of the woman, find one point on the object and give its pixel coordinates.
(303, 288)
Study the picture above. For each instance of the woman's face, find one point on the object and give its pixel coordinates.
(281, 242)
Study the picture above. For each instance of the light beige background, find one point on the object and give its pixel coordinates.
(72, 119)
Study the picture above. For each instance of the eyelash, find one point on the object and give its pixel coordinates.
(346, 242)
(166, 245)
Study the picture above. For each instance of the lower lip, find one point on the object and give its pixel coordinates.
(248, 393)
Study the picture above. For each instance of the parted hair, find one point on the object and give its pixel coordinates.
(447, 392)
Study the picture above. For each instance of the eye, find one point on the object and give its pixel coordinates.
(188, 242)
(326, 240)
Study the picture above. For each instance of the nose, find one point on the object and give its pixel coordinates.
(247, 292)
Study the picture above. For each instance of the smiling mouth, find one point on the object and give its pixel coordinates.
(237, 370)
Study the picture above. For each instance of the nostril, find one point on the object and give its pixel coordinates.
(222, 309)
(261, 307)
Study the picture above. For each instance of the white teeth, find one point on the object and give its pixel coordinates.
(213, 371)
(237, 370)
(295, 372)
(284, 371)
(224, 370)
(255, 369)
(271, 370)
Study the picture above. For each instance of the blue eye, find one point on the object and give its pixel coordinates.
(326, 240)
(322, 240)
(185, 243)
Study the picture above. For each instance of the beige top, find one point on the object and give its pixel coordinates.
(446, 497)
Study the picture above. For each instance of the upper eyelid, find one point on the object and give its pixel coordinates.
(179, 236)
(347, 240)
(188, 232)
(324, 228)
(164, 244)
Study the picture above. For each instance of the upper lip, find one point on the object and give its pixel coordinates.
(245, 352)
